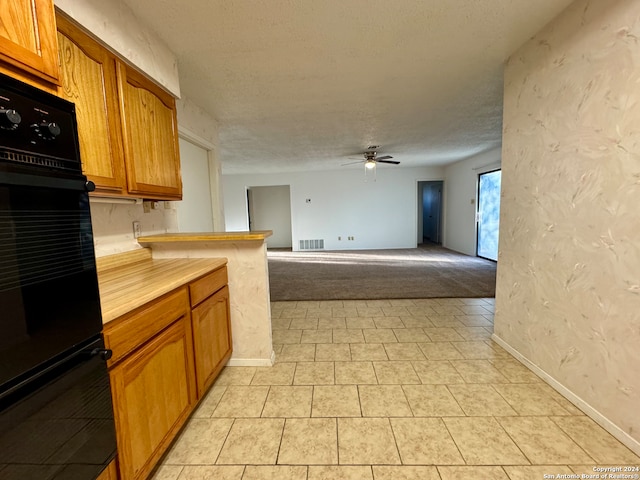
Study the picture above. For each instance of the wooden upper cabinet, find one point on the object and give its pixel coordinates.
(28, 37)
(150, 130)
(88, 79)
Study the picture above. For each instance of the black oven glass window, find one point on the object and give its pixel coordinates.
(48, 287)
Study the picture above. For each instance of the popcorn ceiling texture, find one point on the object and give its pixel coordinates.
(568, 294)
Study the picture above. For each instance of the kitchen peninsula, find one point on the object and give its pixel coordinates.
(166, 328)
(246, 253)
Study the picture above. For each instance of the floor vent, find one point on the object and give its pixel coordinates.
(312, 244)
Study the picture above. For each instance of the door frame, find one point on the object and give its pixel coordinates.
(420, 208)
(498, 169)
(215, 175)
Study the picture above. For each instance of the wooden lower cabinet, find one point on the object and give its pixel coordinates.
(211, 338)
(110, 473)
(166, 355)
(153, 394)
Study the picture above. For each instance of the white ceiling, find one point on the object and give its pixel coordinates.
(304, 84)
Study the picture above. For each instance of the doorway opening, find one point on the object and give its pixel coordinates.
(269, 208)
(195, 212)
(430, 212)
(488, 215)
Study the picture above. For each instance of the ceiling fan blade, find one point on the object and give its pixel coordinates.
(352, 163)
(386, 157)
(394, 162)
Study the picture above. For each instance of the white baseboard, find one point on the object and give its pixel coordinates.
(252, 362)
(596, 416)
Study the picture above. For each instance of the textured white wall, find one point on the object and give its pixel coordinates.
(113, 225)
(568, 288)
(461, 194)
(380, 214)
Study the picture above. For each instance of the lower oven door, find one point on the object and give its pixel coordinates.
(60, 424)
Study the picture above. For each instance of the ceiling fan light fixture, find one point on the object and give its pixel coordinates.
(370, 164)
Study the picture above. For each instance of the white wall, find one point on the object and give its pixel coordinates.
(568, 294)
(113, 225)
(460, 193)
(380, 214)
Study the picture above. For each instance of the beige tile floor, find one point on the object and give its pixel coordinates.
(387, 390)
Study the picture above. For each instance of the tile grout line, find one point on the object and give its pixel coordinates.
(571, 439)
(226, 437)
(513, 440)
(266, 398)
(454, 440)
(337, 441)
(284, 424)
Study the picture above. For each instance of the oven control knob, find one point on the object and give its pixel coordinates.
(46, 130)
(9, 119)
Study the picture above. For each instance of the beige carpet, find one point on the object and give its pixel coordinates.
(424, 272)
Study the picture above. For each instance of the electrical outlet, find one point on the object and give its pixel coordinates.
(155, 205)
(137, 230)
(339, 238)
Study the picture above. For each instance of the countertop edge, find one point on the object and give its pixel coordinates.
(202, 237)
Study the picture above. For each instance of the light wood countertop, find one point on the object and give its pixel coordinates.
(258, 235)
(125, 287)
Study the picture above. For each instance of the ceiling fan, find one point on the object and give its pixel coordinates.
(371, 158)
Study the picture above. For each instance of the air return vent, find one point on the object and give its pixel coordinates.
(312, 244)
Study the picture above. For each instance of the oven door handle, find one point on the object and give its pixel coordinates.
(78, 183)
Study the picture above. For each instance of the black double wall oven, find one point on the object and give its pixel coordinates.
(56, 415)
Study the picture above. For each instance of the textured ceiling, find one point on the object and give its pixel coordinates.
(304, 84)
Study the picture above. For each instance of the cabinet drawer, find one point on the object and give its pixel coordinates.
(207, 286)
(132, 330)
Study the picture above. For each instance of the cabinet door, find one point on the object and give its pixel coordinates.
(211, 338)
(28, 37)
(109, 473)
(150, 137)
(153, 393)
(88, 78)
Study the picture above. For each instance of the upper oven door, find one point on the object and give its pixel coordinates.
(48, 282)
